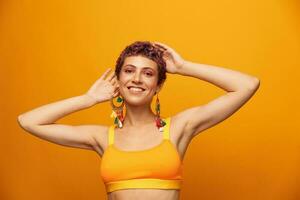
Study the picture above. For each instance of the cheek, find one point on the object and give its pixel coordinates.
(124, 77)
(152, 85)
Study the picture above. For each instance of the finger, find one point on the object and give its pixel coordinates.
(116, 93)
(161, 45)
(113, 82)
(168, 49)
(105, 73)
(161, 48)
(110, 77)
(116, 89)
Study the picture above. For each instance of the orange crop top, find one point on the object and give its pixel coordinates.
(158, 167)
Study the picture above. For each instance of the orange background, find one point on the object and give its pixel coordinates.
(52, 50)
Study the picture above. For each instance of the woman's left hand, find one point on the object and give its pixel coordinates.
(173, 60)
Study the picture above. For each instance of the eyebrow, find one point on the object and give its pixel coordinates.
(135, 66)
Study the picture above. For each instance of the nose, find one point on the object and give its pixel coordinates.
(136, 78)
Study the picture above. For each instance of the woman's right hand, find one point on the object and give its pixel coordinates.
(105, 88)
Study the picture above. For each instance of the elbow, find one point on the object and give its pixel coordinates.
(19, 120)
(22, 122)
(253, 84)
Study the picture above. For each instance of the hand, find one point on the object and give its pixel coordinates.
(104, 88)
(173, 60)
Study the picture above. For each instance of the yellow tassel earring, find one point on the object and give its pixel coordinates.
(117, 112)
(159, 122)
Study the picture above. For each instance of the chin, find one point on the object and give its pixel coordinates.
(137, 101)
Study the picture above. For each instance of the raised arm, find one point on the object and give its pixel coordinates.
(240, 88)
(41, 121)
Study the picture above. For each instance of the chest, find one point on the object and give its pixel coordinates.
(144, 138)
(148, 138)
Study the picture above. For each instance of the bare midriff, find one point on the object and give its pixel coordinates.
(144, 194)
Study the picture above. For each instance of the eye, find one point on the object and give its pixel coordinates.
(127, 70)
(149, 73)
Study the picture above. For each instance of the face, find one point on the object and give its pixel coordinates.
(138, 71)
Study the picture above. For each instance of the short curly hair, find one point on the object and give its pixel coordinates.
(147, 49)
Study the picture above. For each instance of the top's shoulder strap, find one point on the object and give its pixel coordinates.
(166, 131)
(111, 134)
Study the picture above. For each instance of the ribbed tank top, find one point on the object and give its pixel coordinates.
(158, 167)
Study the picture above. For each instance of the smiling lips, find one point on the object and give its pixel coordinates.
(135, 89)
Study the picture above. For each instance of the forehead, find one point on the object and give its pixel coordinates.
(140, 62)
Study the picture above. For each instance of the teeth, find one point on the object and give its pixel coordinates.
(136, 89)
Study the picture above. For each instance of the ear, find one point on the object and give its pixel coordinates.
(159, 87)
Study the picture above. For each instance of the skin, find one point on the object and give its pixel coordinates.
(142, 72)
(139, 71)
(138, 124)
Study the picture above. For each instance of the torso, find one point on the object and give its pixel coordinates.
(128, 139)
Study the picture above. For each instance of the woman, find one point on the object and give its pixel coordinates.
(142, 152)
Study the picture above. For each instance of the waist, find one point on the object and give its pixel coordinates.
(143, 183)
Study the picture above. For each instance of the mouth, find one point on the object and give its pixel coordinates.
(135, 89)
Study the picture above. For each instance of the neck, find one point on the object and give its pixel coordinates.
(138, 116)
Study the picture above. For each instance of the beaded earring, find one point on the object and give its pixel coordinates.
(117, 112)
(159, 122)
